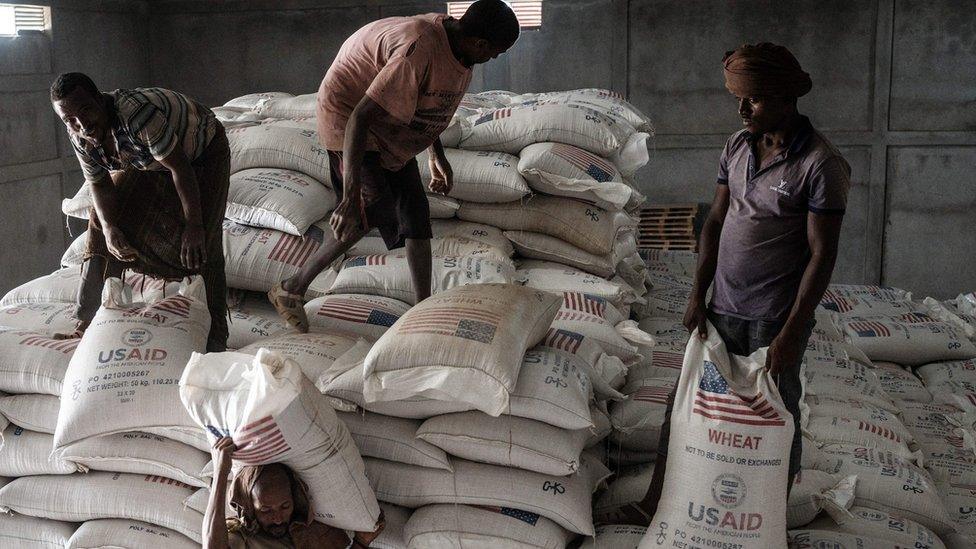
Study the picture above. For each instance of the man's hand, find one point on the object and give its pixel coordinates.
(220, 453)
(348, 218)
(695, 318)
(441, 175)
(118, 246)
(365, 538)
(784, 352)
(193, 254)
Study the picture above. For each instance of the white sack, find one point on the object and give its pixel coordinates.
(487, 234)
(252, 318)
(75, 254)
(442, 207)
(726, 409)
(506, 440)
(617, 536)
(257, 259)
(24, 453)
(813, 490)
(124, 374)
(393, 439)
(556, 278)
(254, 100)
(106, 533)
(142, 454)
(549, 248)
(33, 362)
(388, 275)
(564, 170)
(274, 414)
(565, 500)
(299, 106)
(891, 437)
(442, 526)
(34, 412)
(314, 353)
(627, 488)
(583, 225)
(358, 314)
(909, 339)
(98, 495)
(867, 522)
(25, 532)
(80, 204)
(608, 102)
(283, 200)
(480, 176)
(46, 318)
(464, 344)
(278, 146)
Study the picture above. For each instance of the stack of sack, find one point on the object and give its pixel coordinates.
(97, 454)
(889, 452)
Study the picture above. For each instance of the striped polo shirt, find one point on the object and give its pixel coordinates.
(148, 124)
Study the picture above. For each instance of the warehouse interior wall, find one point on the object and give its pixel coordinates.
(894, 89)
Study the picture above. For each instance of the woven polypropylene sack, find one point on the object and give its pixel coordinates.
(583, 225)
(274, 414)
(726, 409)
(622, 536)
(511, 129)
(257, 259)
(480, 176)
(253, 100)
(564, 170)
(359, 314)
(283, 200)
(872, 523)
(105, 533)
(565, 500)
(252, 318)
(908, 339)
(25, 453)
(142, 453)
(79, 205)
(388, 275)
(46, 318)
(553, 277)
(33, 362)
(393, 439)
(34, 412)
(278, 146)
(464, 526)
(608, 102)
(124, 374)
(315, 353)
(99, 495)
(488, 234)
(26, 532)
(507, 440)
(298, 106)
(464, 344)
(75, 254)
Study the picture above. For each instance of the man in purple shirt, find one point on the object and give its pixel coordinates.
(770, 240)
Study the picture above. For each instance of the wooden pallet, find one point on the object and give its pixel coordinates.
(668, 227)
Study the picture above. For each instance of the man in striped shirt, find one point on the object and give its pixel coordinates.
(158, 164)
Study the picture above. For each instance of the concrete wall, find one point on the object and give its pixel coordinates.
(105, 39)
(894, 85)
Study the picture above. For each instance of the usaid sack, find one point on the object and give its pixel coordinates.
(274, 414)
(278, 146)
(141, 453)
(442, 207)
(46, 318)
(299, 106)
(480, 176)
(637, 421)
(105, 533)
(363, 315)
(252, 318)
(252, 101)
(910, 338)
(98, 495)
(79, 205)
(257, 259)
(26, 453)
(124, 374)
(556, 278)
(393, 439)
(608, 102)
(583, 225)
(315, 353)
(730, 443)
(75, 254)
(443, 526)
(33, 412)
(565, 170)
(283, 200)
(32, 362)
(465, 344)
(511, 129)
(25, 532)
(487, 234)
(549, 248)
(867, 522)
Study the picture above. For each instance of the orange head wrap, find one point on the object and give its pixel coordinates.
(764, 69)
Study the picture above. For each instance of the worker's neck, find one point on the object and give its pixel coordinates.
(783, 133)
(453, 29)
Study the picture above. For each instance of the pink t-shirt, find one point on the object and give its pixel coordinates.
(404, 64)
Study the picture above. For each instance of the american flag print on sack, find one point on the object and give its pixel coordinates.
(916, 318)
(260, 442)
(65, 346)
(715, 400)
(377, 260)
(585, 303)
(664, 359)
(869, 328)
(496, 114)
(652, 393)
(293, 250)
(168, 481)
(453, 320)
(342, 308)
(882, 432)
(177, 305)
(564, 340)
(594, 166)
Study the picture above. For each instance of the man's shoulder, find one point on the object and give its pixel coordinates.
(736, 140)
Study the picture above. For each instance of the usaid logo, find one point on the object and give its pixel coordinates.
(781, 188)
(136, 337)
(729, 491)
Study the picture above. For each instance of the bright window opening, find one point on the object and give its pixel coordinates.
(15, 18)
(529, 12)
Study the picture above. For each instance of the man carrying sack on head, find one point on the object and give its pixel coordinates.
(770, 240)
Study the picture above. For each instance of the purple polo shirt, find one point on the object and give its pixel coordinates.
(763, 249)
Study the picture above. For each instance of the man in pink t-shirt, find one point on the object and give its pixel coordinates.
(391, 91)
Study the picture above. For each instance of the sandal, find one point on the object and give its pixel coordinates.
(291, 307)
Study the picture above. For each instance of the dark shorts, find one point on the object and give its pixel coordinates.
(742, 337)
(395, 202)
